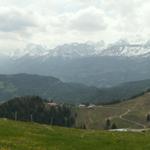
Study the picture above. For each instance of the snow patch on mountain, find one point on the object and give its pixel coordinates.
(79, 50)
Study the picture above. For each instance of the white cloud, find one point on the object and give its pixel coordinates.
(53, 22)
(88, 20)
(12, 20)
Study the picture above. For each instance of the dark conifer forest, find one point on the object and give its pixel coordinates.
(35, 109)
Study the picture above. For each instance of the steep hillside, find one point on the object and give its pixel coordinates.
(129, 114)
(31, 136)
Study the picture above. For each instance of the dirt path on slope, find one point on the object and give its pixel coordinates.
(124, 114)
(130, 121)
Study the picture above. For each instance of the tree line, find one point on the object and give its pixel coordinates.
(36, 109)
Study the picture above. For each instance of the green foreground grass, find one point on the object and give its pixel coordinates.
(31, 136)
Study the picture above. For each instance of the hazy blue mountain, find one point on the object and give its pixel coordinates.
(97, 71)
(54, 89)
(87, 63)
(124, 91)
(46, 87)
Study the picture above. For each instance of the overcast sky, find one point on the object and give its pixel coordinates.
(53, 22)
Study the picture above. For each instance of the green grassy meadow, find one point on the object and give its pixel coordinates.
(31, 136)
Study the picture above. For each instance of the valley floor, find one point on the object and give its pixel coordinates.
(31, 136)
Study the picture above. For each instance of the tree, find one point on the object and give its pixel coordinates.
(114, 126)
(108, 124)
(148, 118)
(83, 126)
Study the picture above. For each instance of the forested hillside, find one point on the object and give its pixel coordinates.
(45, 87)
(53, 89)
(35, 109)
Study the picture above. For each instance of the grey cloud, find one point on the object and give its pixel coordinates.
(12, 20)
(63, 21)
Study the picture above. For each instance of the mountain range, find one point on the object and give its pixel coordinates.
(93, 64)
(76, 50)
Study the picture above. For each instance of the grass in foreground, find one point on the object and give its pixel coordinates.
(30, 136)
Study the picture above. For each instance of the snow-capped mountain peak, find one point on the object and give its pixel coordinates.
(124, 48)
(78, 50)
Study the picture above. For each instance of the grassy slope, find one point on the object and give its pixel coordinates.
(134, 110)
(29, 136)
